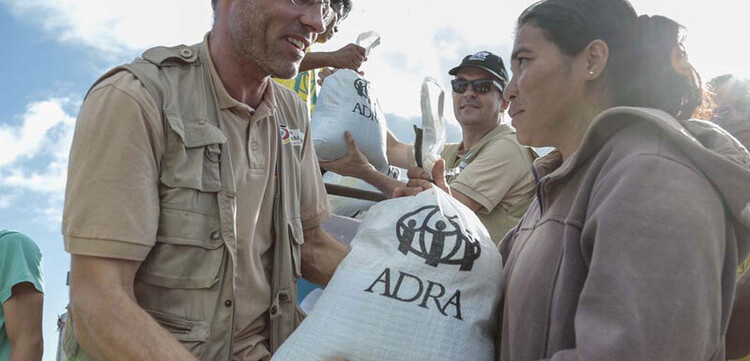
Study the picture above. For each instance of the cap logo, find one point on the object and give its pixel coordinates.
(481, 56)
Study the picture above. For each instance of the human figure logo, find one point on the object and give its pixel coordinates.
(363, 87)
(438, 239)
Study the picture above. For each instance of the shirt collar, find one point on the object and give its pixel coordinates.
(226, 101)
(500, 130)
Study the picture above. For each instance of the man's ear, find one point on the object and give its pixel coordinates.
(595, 59)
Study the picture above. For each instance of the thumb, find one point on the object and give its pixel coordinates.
(438, 174)
(351, 142)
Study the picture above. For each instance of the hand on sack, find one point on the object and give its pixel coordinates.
(353, 164)
(323, 74)
(350, 56)
(419, 180)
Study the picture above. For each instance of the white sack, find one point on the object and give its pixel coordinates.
(421, 283)
(347, 102)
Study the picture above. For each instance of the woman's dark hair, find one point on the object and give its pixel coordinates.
(647, 64)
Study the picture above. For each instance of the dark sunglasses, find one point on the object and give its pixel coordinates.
(480, 86)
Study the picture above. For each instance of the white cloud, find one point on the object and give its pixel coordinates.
(6, 200)
(35, 132)
(36, 150)
(419, 37)
(116, 27)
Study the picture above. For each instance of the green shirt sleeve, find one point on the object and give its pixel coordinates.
(20, 261)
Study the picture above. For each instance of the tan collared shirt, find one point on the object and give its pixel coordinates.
(112, 196)
(496, 173)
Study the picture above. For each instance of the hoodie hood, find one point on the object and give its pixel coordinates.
(719, 156)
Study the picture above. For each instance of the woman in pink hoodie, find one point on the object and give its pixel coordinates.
(630, 251)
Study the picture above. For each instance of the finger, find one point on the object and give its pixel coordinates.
(361, 50)
(418, 183)
(410, 191)
(417, 173)
(350, 142)
(438, 174)
(398, 192)
(414, 172)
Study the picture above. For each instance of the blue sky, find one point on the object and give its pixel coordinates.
(37, 68)
(54, 50)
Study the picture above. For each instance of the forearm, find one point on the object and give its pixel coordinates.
(315, 60)
(23, 322)
(321, 255)
(27, 349)
(111, 326)
(398, 152)
(382, 182)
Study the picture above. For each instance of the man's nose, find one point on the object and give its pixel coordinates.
(314, 20)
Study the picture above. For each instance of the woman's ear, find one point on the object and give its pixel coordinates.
(596, 55)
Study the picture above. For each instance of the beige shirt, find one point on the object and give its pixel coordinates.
(496, 173)
(112, 196)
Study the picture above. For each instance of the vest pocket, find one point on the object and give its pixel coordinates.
(192, 153)
(188, 252)
(192, 334)
(296, 239)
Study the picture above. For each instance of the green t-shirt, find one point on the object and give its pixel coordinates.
(20, 261)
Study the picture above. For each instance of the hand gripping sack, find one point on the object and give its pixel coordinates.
(422, 282)
(347, 102)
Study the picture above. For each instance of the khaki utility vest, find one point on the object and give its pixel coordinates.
(186, 282)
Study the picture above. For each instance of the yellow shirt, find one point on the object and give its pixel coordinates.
(304, 85)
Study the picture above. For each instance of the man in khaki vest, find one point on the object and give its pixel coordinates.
(489, 171)
(193, 200)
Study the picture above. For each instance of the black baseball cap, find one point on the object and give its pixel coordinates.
(486, 61)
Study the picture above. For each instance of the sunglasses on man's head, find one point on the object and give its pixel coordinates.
(480, 86)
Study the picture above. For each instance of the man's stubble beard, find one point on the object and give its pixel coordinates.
(248, 31)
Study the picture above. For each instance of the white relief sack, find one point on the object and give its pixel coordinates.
(347, 102)
(422, 282)
(433, 123)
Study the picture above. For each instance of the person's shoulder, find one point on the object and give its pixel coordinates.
(13, 241)
(122, 79)
(124, 83)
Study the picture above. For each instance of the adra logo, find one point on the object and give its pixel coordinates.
(364, 108)
(362, 87)
(436, 239)
(439, 240)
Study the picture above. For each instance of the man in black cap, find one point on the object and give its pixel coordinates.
(489, 171)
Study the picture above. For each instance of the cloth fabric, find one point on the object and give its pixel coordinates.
(496, 173)
(111, 174)
(738, 128)
(596, 270)
(419, 284)
(20, 261)
(304, 84)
